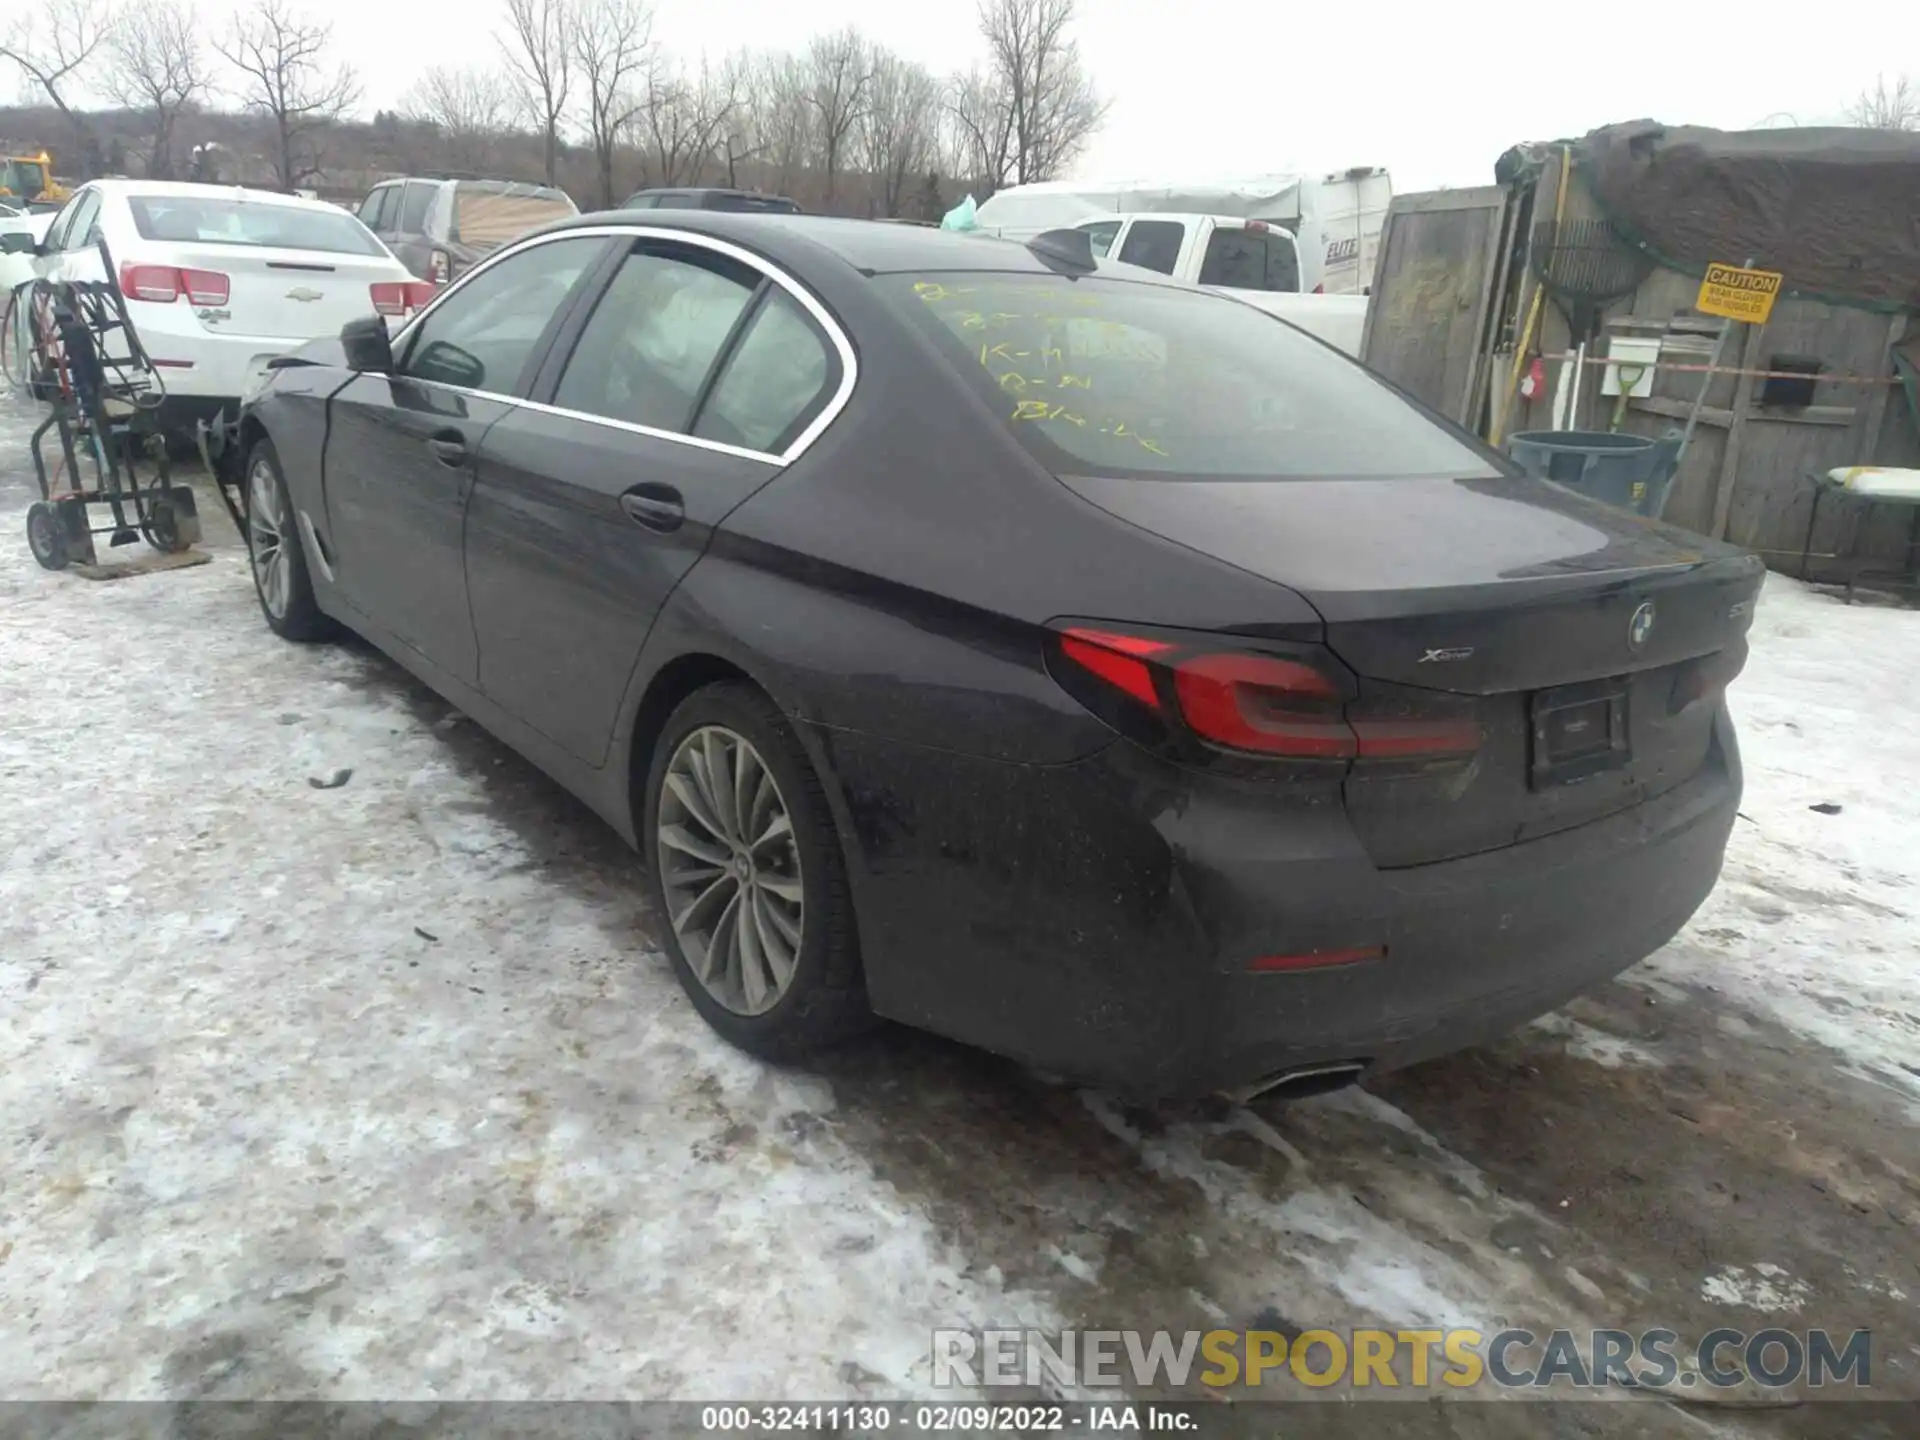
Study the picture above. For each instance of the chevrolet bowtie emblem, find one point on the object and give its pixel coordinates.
(304, 294)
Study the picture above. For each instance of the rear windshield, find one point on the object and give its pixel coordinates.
(213, 220)
(1102, 377)
(486, 216)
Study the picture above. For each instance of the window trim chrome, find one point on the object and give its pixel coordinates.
(829, 326)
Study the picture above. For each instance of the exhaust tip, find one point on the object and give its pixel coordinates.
(1302, 1081)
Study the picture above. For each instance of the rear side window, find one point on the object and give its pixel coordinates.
(647, 350)
(1106, 378)
(215, 220)
(1250, 260)
(1154, 244)
(413, 214)
(83, 229)
(777, 379)
(481, 336)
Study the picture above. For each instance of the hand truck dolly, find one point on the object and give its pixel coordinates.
(86, 362)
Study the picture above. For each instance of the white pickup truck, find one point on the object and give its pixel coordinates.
(1248, 259)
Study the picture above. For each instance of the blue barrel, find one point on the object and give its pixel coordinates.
(1627, 471)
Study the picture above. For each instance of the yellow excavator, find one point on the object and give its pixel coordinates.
(30, 178)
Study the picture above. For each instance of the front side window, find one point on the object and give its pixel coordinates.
(646, 352)
(373, 208)
(1100, 235)
(1103, 377)
(778, 378)
(1154, 244)
(483, 334)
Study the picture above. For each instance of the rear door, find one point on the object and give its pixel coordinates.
(676, 401)
(400, 449)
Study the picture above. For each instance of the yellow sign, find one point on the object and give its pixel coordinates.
(1736, 293)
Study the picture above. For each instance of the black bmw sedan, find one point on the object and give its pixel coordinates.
(1016, 645)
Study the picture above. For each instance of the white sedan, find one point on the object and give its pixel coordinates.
(220, 280)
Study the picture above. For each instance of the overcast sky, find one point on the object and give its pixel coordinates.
(1229, 87)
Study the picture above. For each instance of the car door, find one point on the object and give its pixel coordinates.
(70, 252)
(410, 242)
(400, 447)
(687, 382)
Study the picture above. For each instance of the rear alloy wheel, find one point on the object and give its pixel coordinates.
(747, 876)
(273, 545)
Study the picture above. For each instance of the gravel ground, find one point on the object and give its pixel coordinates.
(383, 1091)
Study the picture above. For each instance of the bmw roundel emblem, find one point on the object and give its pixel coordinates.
(1641, 625)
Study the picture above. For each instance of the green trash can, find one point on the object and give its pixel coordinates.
(1627, 471)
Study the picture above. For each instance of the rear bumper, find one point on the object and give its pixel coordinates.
(1097, 920)
(210, 370)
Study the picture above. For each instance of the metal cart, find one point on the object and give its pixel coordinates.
(85, 361)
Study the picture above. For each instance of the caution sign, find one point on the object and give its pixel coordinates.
(1736, 293)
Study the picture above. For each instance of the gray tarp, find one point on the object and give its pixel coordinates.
(1836, 211)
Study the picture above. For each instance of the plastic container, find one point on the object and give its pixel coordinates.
(1627, 471)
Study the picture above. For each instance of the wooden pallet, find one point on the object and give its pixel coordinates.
(145, 564)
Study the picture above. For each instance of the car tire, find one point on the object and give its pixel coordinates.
(824, 998)
(275, 555)
(46, 537)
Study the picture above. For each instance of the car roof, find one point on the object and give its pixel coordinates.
(183, 188)
(800, 241)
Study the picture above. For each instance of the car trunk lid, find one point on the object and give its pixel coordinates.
(286, 294)
(1585, 643)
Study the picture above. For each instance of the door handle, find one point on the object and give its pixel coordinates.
(658, 507)
(449, 447)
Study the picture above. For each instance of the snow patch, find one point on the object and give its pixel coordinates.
(1759, 1287)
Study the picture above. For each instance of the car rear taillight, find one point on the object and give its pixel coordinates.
(164, 284)
(1254, 700)
(398, 297)
(439, 267)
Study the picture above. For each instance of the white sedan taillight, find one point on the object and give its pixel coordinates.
(164, 284)
(400, 297)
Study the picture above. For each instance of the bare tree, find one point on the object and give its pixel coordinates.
(785, 119)
(611, 41)
(742, 135)
(980, 116)
(682, 119)
(897, 132)
(1887, 107)
(1052, 108)
(470, 108)
(839, 88)
(538, 46)
(283, 56)
(158, 67)
(53, 42)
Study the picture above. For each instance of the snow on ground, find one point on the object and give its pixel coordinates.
(382, 1090)
(1817, 918)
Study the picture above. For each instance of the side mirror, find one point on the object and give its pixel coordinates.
(449, 364)
(367, 345)
(18, 242)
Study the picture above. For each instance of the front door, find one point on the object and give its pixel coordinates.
(690, 378)
(401, 447)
